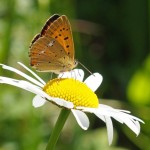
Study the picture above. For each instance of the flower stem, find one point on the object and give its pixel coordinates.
(57, 129)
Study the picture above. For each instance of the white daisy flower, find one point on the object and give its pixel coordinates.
(70, 92)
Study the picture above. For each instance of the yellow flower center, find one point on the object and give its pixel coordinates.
(73, 91)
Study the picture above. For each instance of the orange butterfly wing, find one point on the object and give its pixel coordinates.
(53, 49)
(60, 30)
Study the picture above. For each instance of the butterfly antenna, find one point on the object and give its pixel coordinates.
(85, 68)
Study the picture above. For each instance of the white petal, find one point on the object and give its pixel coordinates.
(122, 117)
(36, 90)
(32, 88)
(38, 101)
(77, 74)
(94, 81)
(57, 101)
(62, 102)
(130, 123)
(86, 109)
(34, 74)
(108, 107)
(118, 112)
(105, 111)
(81, 118)
(109, 126)
(24, 85)
(138, 126)
(22, 74)
(101, 117)
(18, 83)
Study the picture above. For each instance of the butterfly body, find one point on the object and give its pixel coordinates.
(52, 50)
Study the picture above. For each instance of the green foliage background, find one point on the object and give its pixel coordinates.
(111, 37)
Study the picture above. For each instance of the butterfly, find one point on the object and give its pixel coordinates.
(52, 50)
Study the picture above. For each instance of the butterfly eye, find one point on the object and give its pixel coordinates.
(75, 63)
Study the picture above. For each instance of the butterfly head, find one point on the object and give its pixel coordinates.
(75, 63)
(71, 65)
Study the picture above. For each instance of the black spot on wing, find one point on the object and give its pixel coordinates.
(66, 38)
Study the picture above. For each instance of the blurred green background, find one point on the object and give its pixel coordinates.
(111, 37)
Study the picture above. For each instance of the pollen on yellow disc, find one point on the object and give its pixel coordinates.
(73, 91)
